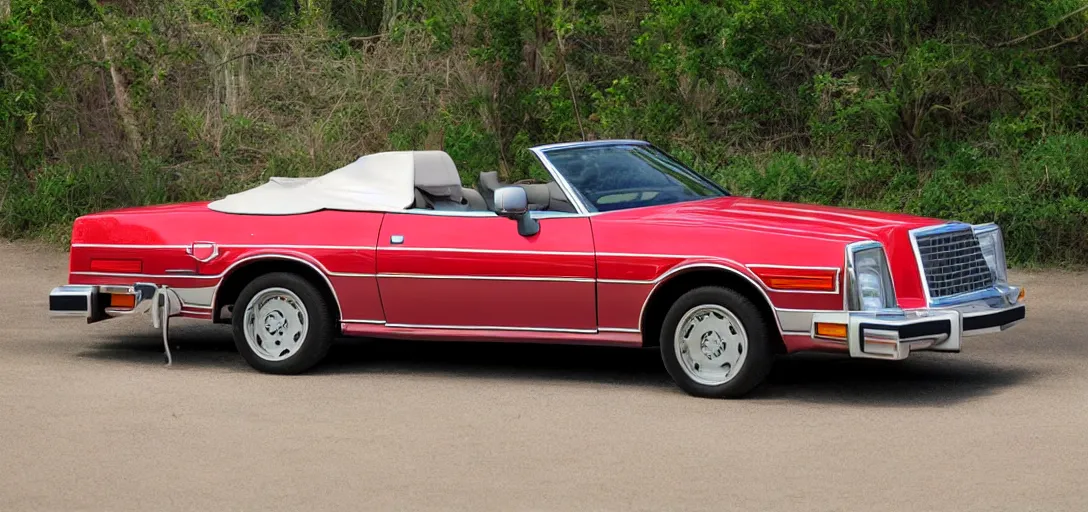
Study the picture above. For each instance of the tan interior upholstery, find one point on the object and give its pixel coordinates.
(474, 199)
(542, 196)
(488, 183)
(537, 194)
(436, 175)
(438, 185)
(557, 200)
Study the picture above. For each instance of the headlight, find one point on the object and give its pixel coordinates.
(871, 281)
(993, 249)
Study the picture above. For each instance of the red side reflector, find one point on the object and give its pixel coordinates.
(799, 279)
(126, 266)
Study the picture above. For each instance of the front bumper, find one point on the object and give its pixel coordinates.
(894, 334)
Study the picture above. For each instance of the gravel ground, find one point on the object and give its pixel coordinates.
(91, 420)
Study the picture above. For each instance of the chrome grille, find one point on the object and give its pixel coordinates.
(953, 263)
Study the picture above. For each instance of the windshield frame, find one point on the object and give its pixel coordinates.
(575, 196)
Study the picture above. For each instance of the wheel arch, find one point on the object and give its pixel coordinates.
(245, 270)
(684, 278)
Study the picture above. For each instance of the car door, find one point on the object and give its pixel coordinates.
(472, 270)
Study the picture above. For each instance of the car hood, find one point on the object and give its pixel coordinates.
(812, 221)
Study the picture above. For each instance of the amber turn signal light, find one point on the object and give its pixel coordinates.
(802, 283)
(826, 330)
(798, 279)
(118, 300)
(1023, 294)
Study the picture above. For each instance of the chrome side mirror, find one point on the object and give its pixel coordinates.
(512, 203)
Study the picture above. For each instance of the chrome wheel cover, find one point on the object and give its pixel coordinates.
(275, 324)
(710, 344)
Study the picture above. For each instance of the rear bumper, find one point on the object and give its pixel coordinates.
(895, 334)
(92, 302)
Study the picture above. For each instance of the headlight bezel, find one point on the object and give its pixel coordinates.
(869, 258)
(990, 237)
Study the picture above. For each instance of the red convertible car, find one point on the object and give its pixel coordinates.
(623, 245)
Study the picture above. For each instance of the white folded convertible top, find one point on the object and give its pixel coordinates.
(377, 182)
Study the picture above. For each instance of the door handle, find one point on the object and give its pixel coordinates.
(396, 239)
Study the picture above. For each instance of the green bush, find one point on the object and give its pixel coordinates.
(960, 110)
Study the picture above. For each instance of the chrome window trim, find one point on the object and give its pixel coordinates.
(590, 144)
(573, 196)
(576, 197)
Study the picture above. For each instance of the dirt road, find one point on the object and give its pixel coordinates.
(91, 420)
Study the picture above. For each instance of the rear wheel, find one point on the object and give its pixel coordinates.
(715, 343)
(282, 324)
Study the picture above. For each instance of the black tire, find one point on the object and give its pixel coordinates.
(319, 334)
(759, 354)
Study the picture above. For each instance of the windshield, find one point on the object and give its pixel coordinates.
(619, 176)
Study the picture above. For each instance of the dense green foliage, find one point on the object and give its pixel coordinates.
(971, 110)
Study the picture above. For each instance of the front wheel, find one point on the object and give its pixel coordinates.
(282, 324)
(715, 343)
